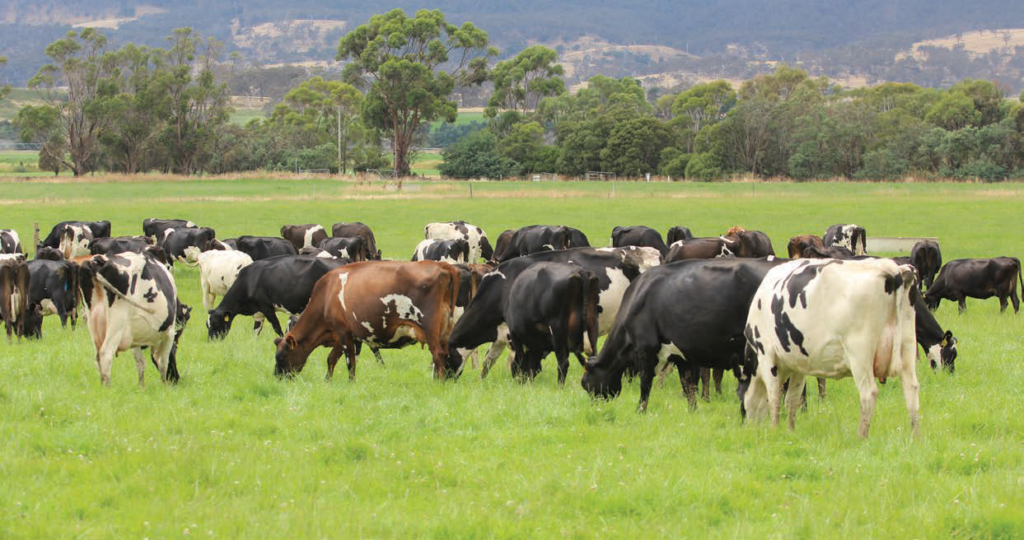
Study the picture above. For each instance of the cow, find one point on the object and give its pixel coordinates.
(927, 258)
(218, 271)
(75, 241)
(53, 289)
(264, 247)
(940, 347)
(798, 244)
(316, 252)
(852, 237)
(643, 257)
(678, 233)
(577, 238)
(356, 228)
(826, 252)
(10, 243)
(479, 246)
(267, 286)
(502, 244)
(550, 308)
(154, 228)
(119, 244)
(385, 304)
(703, 248)
(14, 286)
(97, 229)
(535, 238)
(176, 242)
(484, 319)
(353, 248)
(449, 251)
(688, 313)
(796, 328)
(134, 304)
(302, 236)
(976, 278)
(753, 244)
(639, 236)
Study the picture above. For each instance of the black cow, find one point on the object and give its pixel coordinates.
(99, 229)
(484, 319)
(119, 244)
(176, 241)
(550, 308)
(263, 247)
(302, 236)
(927, 258)
(46, 252)
(976, 278)
(357, 228)
(10, 242)
(852, 237)
(353, 248)
(283, 282)
(577, 238)
(502, 244)
(753, 244)
(678, 233)
(450, 251)
(638, 235)
(690, 313)
(155, 228)
(536, 238)
(53, 288)
(829, 252)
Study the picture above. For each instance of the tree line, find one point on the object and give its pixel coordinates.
(137, 109)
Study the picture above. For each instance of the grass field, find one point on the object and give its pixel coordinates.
(19, 162)
(233, 452)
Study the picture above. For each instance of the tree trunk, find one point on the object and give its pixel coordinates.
(401, 156)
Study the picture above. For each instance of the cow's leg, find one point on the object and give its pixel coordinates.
(274, 322)
(908, 380)
(664, 373)
(688, 380)
(705, 381)
(793, 397)
(140, 364)
(350, 351)
(755, 400)
(162, 357)
(961, 301)
(773, 380)
(474, 358)
(376, 354)
(257, 324)
(332, 360)
(517, 361)
(105, 356)
(821, 387)
(646, 380)
(864, 378)
(716, 375)
(494, 352)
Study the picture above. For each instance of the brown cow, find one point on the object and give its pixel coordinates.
(798, 244)
(703, 248)
(357, 228)
(303, 236)
(386, 304)
(14, 288)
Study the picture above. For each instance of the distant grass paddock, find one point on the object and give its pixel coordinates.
(233, 452)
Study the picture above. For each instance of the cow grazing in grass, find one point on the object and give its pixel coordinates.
(14, 287)
(119, 244)
(852, 237)
(703, 248)
(264, 247)
(353, 248)
(977, 278)
(449, 251)
(53, 289)
(218, 271)
(385, 304)
(678, 233)
(154, 228)
(356, 228)
(479, 246)
(302, 236)
(832, 319)
(97, 229)
(927, 258)
(177, 241)
(134, 304)
(639, 236)
(798, 244)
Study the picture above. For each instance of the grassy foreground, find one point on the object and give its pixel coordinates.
(233, 452)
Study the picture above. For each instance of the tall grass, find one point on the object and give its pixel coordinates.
(233, 452)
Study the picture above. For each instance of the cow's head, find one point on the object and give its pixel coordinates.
(458, 250)
(49, 253)
(33, 328)
(358, 250)
(943, 354)
(218, 323)
(600, 381)
(486, 251)
(290, 357)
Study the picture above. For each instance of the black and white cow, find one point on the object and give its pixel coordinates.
(53, 289)
(267, 286)
(154, 228)
(357, 228)
(484, 319)
(218, 271)
(927, 258)
(75, 241)
(178, 242)
(678, 233)
(689, 313)
(10, 242)
(449, 251)
(134, 304)
(264, 247)
(852, 237)
(302, 236)
(640, 236)
(479, 246)
(353, 248)
(14, 286)
(97, 229)
(551, 307)
(119, 244)
(796, 328)
(977, 278)
(939, 345)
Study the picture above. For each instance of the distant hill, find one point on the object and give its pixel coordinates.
(642, 37)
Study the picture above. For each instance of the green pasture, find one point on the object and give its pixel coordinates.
(232, 452)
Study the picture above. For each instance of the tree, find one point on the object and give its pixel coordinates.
(133, 110)
(954, 111)
(520, 83)
(79, 116)
(4, 90)
(704, 103)
(402, 59)
(325, 107)
(525, 145)
(634, 147)
(477, 156)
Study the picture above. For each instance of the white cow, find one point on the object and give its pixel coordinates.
(134, 304)
(479, 246)
(450, 251)
(832, 319)
(9, 241)
(217, 271)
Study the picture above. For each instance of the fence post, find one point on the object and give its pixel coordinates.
(35, 235)
(471, 191)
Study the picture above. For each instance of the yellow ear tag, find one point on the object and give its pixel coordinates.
(944, 342)
(227, 318)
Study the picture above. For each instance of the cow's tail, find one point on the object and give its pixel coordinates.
(899, 284)
(453, 278)
(1020, 281)
(591, 291)
(107, 285)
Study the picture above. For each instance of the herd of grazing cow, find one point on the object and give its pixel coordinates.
(702, 305)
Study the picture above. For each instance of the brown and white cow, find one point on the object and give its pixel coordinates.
(303, 236)
(386, 304)
(799, 244)
(14, 287)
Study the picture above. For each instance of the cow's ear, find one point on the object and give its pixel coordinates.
(277, 341)
(946, 338)
(289, 341)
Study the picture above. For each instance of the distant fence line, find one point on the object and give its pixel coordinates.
(11, 145)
